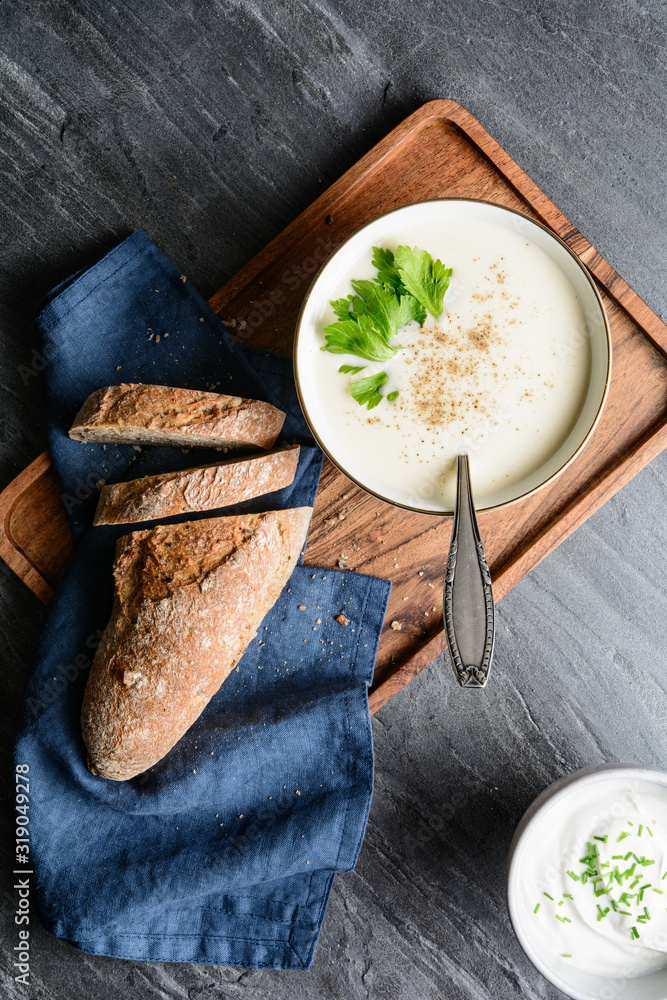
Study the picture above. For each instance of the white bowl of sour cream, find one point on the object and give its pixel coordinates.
(514, 372)
(587, 883)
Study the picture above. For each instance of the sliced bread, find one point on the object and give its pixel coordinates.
(160, 414)
(203, 488)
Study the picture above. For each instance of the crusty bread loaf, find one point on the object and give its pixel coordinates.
(159, 414)
(188, 599)
(202, 488)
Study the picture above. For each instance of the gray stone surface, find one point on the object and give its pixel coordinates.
(211, 126)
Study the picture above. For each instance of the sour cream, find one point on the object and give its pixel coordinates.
(618, 831)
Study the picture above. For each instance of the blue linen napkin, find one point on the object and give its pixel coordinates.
(225, 851)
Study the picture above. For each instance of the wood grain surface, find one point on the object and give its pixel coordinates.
(439, 151)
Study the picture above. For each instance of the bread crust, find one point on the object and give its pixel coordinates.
(202, 488)
(188, 599)
(158, 414)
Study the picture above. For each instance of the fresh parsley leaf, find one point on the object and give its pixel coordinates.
(357, 337)
(425, 278)
(350, 369)
(391, 396)
(341, 307)
(366, 390)
(385, 308)
(383, 262)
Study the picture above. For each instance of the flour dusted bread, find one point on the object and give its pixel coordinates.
(202, 488)
(159, 414)
(188, 600)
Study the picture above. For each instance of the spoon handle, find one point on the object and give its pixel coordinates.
(468, 599)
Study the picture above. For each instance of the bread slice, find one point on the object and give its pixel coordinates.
(188, 599)
(203, 488)
(159, 414)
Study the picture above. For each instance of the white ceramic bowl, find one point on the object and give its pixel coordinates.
(403, 225)
(573, 981)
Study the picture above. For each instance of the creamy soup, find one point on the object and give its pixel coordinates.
(501, 374)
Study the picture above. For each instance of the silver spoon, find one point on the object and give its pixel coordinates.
(468, 598)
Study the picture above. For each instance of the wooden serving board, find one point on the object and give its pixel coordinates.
(439, 151)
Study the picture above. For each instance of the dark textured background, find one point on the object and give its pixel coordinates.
(210, 126)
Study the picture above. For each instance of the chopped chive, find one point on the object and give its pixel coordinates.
(646, 862)
(615, 905)
(617, 857)
(603, 839)
(638, 860)
(584, 877)
(622, 836)
(630, 823)
(657, 890)
(626, 913)
(576, 877)
(560, 902)
(628, 855)
(566, 895)
(537, 908)
(635, 883)
(634, 933)
(548, 896)
(642, 890)
(664, 876)
(641, 919)
(565, 956)
(648, 915)
(648, 830)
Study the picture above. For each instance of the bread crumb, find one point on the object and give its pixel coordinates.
(297, 792)
(342, 619)
(157, 338)
(100, 483)
(420, 573)
(302, 607)
(201, 319)
(342, 564)
(318, 621)
(118, 368)
(183, 278)
(396, 626)
(341, 517)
